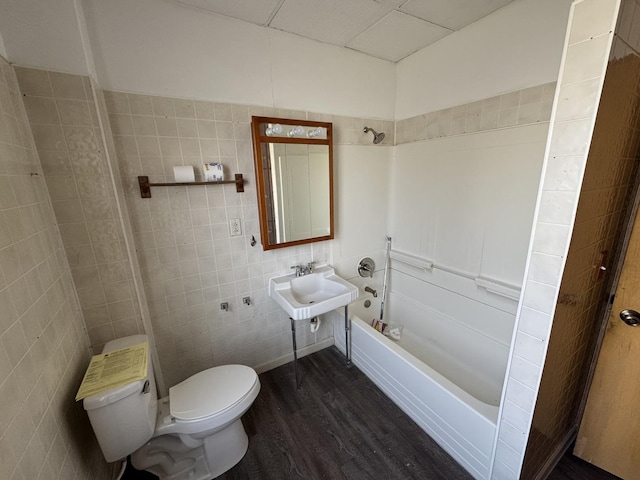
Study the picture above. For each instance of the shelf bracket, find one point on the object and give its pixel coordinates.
(145, 185)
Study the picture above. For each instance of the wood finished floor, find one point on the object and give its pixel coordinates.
(574, 468)
(339, 425)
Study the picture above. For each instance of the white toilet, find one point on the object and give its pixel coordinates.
(195, 433)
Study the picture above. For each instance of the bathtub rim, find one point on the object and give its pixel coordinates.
(488, 412)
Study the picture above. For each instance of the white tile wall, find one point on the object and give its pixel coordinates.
(63, 116)
(189, 262)
(582, 73)
(515, 416)
(486, 181)
(521, 107)
(44, 348)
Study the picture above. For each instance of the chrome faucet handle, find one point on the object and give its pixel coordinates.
(302, 270)
(366, 267)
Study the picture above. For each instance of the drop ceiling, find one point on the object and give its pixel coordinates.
(386, 29)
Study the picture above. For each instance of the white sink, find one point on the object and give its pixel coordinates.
(313, 294)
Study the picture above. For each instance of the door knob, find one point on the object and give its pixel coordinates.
(630, 317)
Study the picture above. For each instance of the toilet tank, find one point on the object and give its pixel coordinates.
(124, 418)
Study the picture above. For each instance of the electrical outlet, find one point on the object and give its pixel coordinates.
(235, 227)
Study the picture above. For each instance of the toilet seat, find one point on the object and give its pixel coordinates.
(207, 401)
(211, 392)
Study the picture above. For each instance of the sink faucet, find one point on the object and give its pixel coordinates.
(302, 270)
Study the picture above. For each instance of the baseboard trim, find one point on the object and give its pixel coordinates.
(557, 454)
(302, 352)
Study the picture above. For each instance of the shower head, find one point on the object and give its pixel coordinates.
(377, 137)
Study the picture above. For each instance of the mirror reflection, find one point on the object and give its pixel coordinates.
(294, 164)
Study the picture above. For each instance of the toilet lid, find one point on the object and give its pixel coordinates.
(211, 391)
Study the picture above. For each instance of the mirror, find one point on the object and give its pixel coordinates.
(294, 180)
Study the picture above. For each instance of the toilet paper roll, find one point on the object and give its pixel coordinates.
(184, 174)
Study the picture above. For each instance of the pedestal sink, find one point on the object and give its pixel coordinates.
(313, 294)
(310, 295)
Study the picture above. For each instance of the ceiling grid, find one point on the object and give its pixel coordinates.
(386, 29)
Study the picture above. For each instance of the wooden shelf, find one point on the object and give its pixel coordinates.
(145, 186)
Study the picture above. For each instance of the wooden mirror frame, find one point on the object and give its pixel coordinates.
(258, 131)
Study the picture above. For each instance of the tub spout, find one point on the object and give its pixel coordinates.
(371, 291)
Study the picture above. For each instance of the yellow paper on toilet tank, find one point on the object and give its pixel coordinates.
(114, 369)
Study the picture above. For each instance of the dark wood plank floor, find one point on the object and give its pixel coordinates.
(339, 425)
(574, 468)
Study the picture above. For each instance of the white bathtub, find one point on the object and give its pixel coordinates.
(433, 374)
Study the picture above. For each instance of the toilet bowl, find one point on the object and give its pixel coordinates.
(194, 433)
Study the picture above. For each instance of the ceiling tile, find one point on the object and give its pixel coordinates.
(396, 36)
(387, 29)
(453, 14)
(254, 11)
(330, 21)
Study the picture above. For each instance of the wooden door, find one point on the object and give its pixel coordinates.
(609, 435)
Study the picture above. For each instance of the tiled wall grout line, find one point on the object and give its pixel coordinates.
(44, 346)
(509, 113)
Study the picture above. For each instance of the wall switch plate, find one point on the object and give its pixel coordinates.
(235, 227)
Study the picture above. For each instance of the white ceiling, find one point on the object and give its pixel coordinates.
(386, 29)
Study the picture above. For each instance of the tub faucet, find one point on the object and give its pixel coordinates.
(366, 267)
(371, 291)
